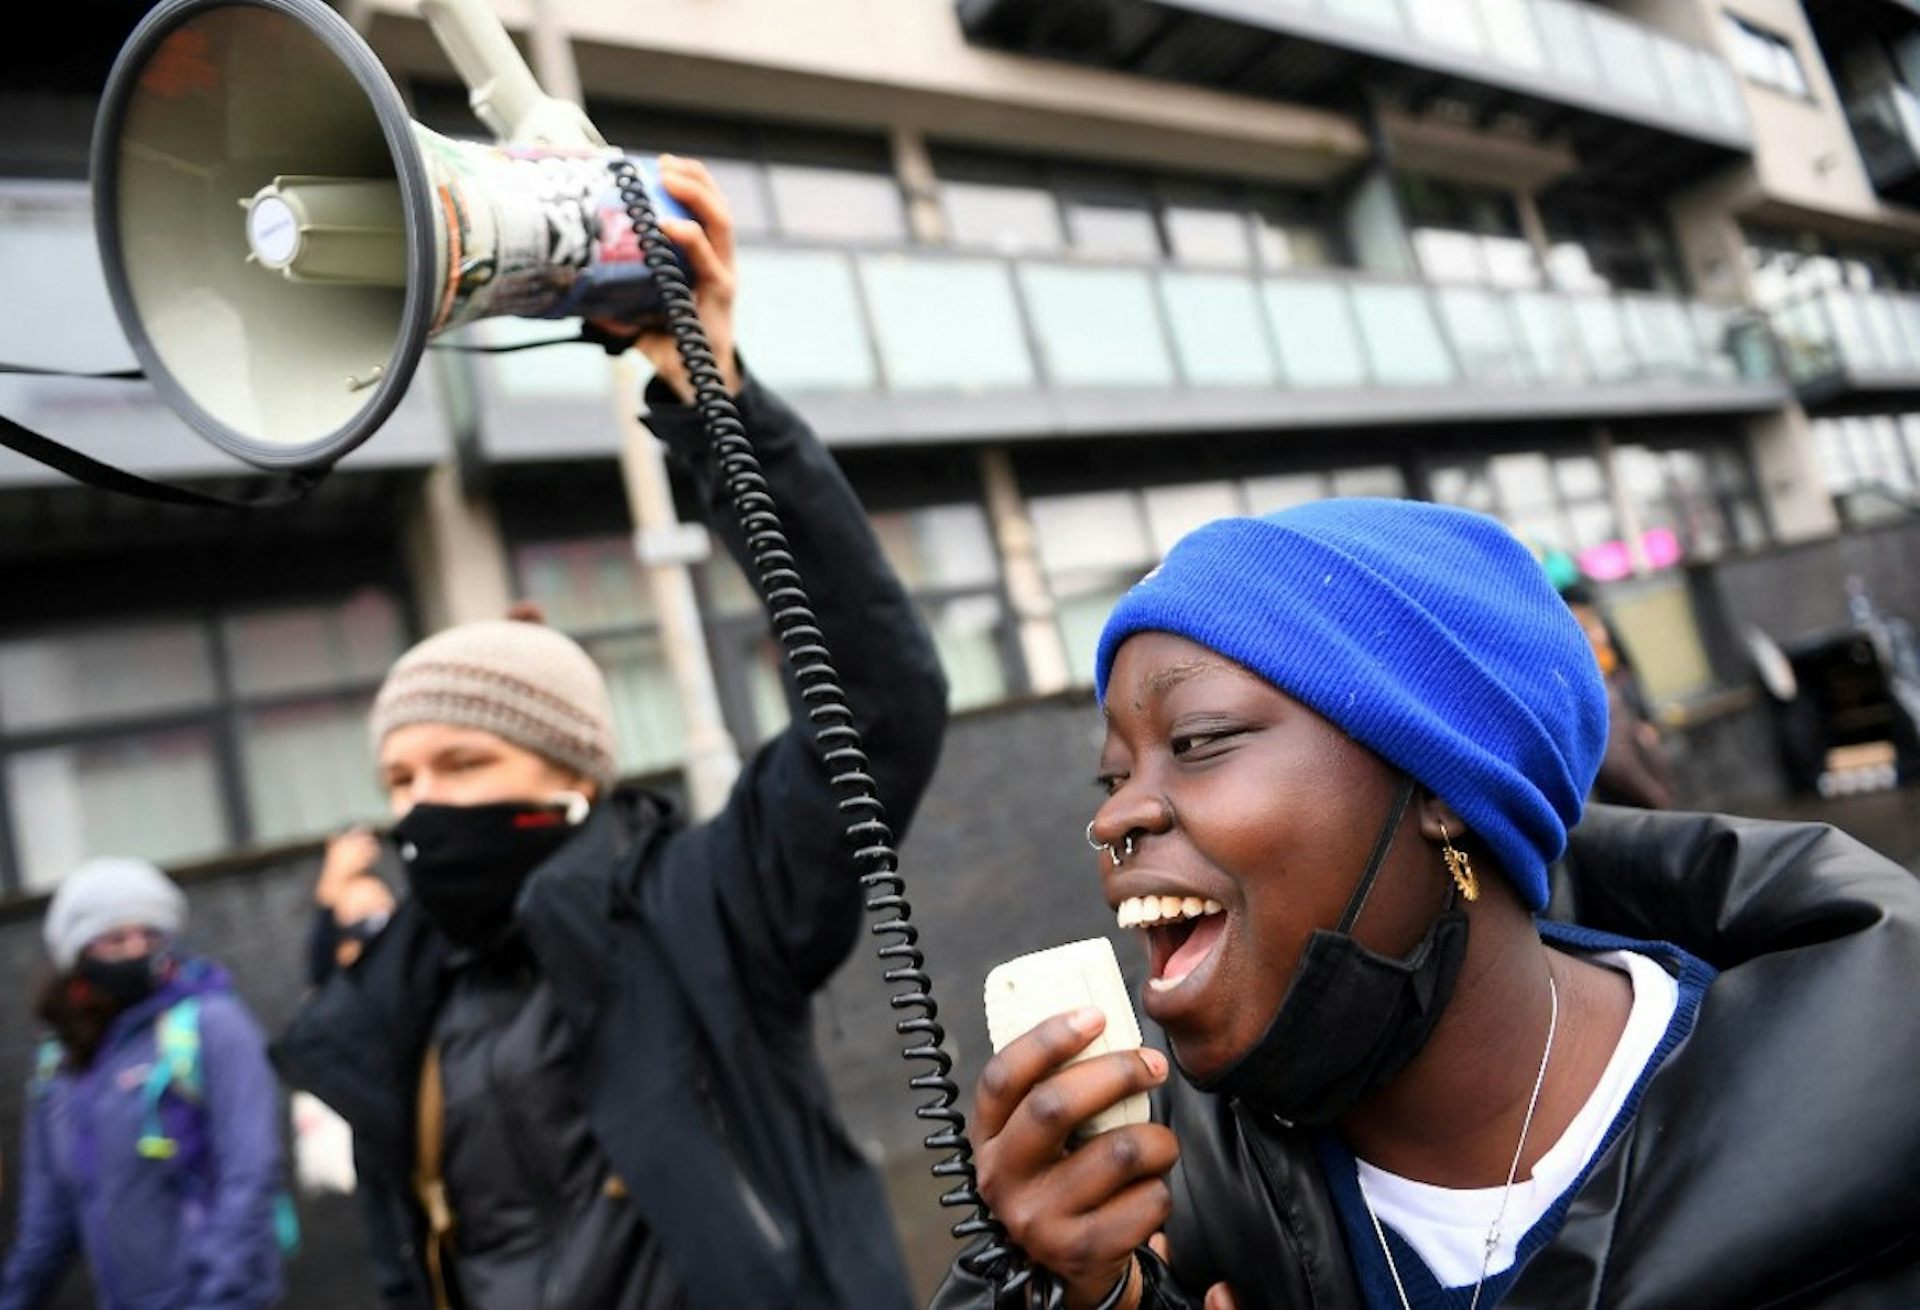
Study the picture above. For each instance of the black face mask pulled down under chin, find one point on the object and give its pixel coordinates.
(1352, 1018)
(466, 863)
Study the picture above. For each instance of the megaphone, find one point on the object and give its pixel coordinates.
(281, 241)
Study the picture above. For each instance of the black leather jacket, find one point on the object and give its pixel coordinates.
(1775, 1157)
(685, 958)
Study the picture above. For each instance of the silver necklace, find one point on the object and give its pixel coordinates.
(1513, 1171)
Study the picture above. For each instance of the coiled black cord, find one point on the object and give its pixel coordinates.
(805, 649)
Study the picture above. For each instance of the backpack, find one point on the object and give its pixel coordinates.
(177, 1068)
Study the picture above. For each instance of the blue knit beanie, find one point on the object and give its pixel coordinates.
(1427, 634)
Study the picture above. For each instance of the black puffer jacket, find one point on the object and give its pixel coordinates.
(1772, 1161)
(685, 959)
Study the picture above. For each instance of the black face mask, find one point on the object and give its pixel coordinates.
(1352, 1018)
(125, 983)
(466, 863)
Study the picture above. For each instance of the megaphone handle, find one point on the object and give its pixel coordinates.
(501, 88)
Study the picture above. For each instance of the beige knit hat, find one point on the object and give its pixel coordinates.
(521, 681)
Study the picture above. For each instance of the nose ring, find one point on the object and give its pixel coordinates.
(1119, 856)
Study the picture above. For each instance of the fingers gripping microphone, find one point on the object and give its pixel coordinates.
(281, 241)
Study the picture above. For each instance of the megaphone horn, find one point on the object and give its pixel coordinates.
(281, 240)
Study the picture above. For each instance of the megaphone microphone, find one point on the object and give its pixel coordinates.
(281, 241)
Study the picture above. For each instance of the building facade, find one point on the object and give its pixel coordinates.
(1058, 280)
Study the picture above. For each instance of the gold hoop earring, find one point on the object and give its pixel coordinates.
(1463, 875)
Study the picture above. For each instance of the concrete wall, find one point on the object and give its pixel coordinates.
(907, 64)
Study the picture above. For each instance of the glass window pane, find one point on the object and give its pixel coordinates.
(300, 648)
(970, 634)
(649, 730)
(1448, 256)
(939, 546)
(1376, 13)
(1081, 607)
(1217, 329)
(309, 769)
(585, 585)
(1580, 477)
(1510, 262)
(1568, 43)
(1009, 219)
(1626, 56)
(1173, 512)
(1453, 23)
(1214, 238)
(1285, 243)
(1593, 524)
(1603, 338)
(155, 796)
(744, 184)
(1112, 231)
(1098, 326)
(800, 321)
(1547, 332)
(1403, 340)
(839, 204)
(1482, 333)
(1511, 33)
(556, 371)
(1370, 480)
(1283, 491)
(1319, 344)
(1091, 531)
(1523, 482)
(70, 678)
(946, 324)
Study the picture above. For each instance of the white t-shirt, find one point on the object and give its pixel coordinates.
(1448, 1226)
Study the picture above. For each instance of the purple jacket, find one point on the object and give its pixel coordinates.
(195, 1232)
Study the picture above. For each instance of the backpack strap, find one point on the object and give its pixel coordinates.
(48, 1059)
(176, 1065)
(429, 1174)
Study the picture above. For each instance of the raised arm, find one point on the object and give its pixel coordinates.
(776, 855)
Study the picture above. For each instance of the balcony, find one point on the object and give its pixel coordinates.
(1839, 342)
(1641, 110)
(1886, 127)
(890, 347)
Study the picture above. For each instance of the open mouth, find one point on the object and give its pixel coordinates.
(1181, 933)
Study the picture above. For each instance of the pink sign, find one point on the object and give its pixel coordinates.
(1611, 561)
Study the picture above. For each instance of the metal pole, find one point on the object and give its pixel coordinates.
(663, 545)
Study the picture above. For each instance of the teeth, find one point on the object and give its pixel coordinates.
(1148, 911)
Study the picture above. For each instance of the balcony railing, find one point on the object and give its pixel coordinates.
(1886, 127)
(1578, 45)
(1567, 52)
(1837, 333)
(927, 323)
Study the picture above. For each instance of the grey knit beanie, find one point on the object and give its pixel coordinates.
(111, 892)
(520, 681)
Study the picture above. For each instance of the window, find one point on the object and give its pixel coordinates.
(1877, 452)
(945, 556)
(1598, 244)
(1550, 501)
(1766, 57)
(1467, 234)
(592, 589)
(837, 204)
(1007, 218)
(176, 739)
(1095, 545)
